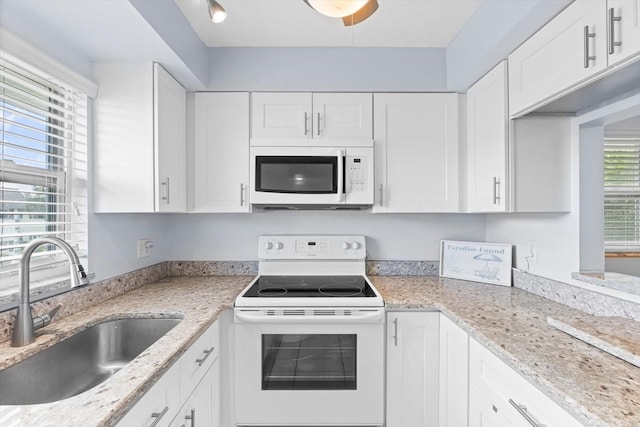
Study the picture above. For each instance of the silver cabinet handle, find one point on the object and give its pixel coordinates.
(241, 194)
(158, 416)
(612, 34)
(587, 36)
(306, 128)
(496, 190)
(381, 194)
(191, 417)
(207, 353)
(395, 332)
(318, 124)
(166, 198)
(522, 410)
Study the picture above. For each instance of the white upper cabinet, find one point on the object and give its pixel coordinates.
(519, 165)
(624, 29)
(487, 142)
(416, 151)
(221, 164)
(307, 115)
(140, 139)
(569, 49)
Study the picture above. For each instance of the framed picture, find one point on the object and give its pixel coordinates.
(475, 261)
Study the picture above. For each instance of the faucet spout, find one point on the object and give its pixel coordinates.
(24, 327)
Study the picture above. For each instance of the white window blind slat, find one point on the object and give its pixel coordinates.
(622, 194)
(43, 170)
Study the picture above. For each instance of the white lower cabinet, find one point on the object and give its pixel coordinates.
(499, 396)
(191, 387)
(412, 369)
(202, 408)
(159, 405)
(454, 374)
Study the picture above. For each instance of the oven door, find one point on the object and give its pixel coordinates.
(297, 175)
(320, 370)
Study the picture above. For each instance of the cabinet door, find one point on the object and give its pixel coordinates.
(482, 411)
(454, 369)
(221, 152)
(624, 28)
(412, 369)
(487, 139)
(281, 115)
(557, 56)
(416, 149)
(159, 405)
(170, 139)
(342, 115)
(201, 408)
(510, 394)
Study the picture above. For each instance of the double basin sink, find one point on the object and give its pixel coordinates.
(80, 362)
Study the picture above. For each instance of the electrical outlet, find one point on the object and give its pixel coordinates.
(144, 248)
(532, 251)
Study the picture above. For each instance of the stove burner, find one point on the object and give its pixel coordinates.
(272, 292)
(339, 290)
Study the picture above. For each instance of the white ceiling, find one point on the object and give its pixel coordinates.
(291, 23)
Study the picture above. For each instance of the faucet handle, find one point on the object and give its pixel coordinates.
(45, 319)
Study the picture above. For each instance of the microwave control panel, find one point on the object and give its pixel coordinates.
(357, 173)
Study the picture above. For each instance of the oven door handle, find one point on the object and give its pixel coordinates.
(259, 316)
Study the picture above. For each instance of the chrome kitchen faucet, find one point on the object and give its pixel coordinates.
(25, 325)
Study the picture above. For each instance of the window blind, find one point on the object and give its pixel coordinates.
(622, 194)
(43, 171)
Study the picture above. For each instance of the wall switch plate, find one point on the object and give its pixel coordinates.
(144, 248)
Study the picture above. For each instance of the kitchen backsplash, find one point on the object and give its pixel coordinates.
(79, 299)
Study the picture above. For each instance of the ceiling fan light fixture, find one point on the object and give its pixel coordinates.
(337, 8)
(362, 14)
(216, 11)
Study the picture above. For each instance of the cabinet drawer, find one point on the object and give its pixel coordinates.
(197, 360)
(506, 389)
(159, 405)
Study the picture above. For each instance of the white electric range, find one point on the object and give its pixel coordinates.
(309, 336)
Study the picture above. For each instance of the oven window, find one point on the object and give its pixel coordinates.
(309, 362)
(297, 174)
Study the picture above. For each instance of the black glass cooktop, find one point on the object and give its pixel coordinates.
(310, 286)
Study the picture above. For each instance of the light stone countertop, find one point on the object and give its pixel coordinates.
(198, 299)
(595, 387)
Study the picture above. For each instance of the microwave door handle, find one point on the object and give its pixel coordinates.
(340, 175)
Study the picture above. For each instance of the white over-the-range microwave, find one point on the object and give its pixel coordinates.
(304, 173)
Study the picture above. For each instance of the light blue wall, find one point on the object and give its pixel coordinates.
(168, 21)
(493, 32)
(389, 236)
(327, 69)
(15, 17)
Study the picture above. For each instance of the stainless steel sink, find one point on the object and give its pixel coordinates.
(80, 362)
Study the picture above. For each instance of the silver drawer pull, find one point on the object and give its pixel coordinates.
(587, 56)
(522, 410)
(158, 416)
(191, 417)
(612, 31)
(207, 353)
(395, 332)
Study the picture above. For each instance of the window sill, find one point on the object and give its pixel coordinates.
(622, 255)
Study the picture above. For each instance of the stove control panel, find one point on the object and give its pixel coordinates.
(289, 247)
